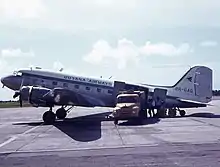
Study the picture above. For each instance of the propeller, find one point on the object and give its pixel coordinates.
(19, 94)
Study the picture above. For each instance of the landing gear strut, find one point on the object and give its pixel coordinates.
(49, 117)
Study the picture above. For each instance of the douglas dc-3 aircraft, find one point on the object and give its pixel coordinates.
(44, 88)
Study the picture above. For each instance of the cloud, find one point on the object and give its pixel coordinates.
(3, 65)
(22, 9)
(126, 51)
(108, 14)
(16, 53)
(209, 43)
(109, 4)
(57, 65)
(165, 49)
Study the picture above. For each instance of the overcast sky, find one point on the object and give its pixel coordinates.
(143, 41)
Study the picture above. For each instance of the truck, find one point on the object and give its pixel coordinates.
(129, 105)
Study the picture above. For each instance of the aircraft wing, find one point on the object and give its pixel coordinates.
(39, 96)
(65, 96)
(61, 96)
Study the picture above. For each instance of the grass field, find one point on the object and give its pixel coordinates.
(13, 104)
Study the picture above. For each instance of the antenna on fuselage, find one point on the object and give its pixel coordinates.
(110, 77)
(61, 70)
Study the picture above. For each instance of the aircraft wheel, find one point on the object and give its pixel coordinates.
(61, 113)
(182, 113)
(171, 112)
(49, 117)
(161, 113)
(116, 122)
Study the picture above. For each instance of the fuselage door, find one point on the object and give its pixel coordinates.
(161, 93)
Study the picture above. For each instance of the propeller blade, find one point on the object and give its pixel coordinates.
(22, 81)
(16, 94)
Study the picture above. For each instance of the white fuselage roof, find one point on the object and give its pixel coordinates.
(61, 75)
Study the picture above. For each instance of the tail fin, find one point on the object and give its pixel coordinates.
(195, 85)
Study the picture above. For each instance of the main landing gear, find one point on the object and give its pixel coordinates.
(173, 111)
(61, 113)
(182, 113)
(49, 117)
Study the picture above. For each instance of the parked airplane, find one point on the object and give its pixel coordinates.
(46, 89)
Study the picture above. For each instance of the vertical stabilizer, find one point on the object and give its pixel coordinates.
(195, 85)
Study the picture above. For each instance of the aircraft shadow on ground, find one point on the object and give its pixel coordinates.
(82, 128)
(204, 115)
(138, 123)
(86, 128)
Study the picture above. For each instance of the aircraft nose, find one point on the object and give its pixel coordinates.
(4, 80)
(11, 82)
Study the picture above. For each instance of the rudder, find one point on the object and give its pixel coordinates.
(195, 85)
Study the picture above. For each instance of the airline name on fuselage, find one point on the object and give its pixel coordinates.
(187, 90)
(88, 80)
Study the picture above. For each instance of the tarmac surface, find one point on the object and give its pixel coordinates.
(86, 138)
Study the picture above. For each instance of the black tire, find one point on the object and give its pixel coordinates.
(61, 113)
(182, 113)
(161, 113)
(49, 117)
(171, 113)
(142, 114)
(116, 122)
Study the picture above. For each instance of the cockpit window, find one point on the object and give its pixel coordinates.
(17, 73)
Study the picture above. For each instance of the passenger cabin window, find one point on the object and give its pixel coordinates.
(87, 88)
(98, 90)
(76, 86)
(65, 85)
(54, 83)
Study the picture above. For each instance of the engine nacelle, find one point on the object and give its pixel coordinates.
(37, 96)
(44, 97)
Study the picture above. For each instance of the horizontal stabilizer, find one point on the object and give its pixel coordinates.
(190, 101)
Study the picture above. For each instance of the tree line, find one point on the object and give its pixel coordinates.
(216, 92)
